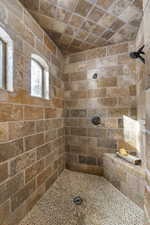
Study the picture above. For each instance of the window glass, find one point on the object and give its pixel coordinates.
(36, 78)
(39, 77)
(46, 86)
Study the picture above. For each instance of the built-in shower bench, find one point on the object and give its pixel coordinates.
(128, 178)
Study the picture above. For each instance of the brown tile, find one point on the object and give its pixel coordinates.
(139, 4)
(107, 143)
(119, 6)
(132, 90)
(96, 14)
(40, 125)
(50, 45)
(117, 25)
(82, 34)
(97, 93)
(4, 211)
(31, 24)
(76, 43)
(3, 172)
(34, 170)
(21, 129)
(51, 180)
(65, 39)
(78, 76)
(50, 135)
(98, 30)
(16, 112)
(68, 4)
(43, 151)
(107, 34)
(9, 188)
(117, 49)
(118, 112)
(107, 20)
(107, 82)
(117, 92)
(33, 141)
(50, 113)
(91, 38)
(43, 176)
(76, 21)
(109, 102)
(87, 160)
(101, 42)
(88, 26)
(71, 30)
(33, 5)
(22, 162)
(78, 113)
(79, 131)
(4, 132)
(47, 9)
(97, 132)
(83, 7)
(104, 3)
(22, 195)
(63, 15)
(11, 149)
(33, 113)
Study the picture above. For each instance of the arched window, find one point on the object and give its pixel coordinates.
(39, 77)
(6, 61)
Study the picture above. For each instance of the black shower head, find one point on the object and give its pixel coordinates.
(135, 55)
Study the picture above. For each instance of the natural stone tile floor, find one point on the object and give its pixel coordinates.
(102, 203)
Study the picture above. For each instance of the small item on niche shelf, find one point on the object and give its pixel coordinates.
(130, 158)
(123, 152)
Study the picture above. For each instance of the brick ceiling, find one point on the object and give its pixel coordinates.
(77, 25)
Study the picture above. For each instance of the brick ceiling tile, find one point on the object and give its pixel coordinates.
(76, 21)
(104, 3)
(96, 14)
(98, 30)
(88, 26)
(107, 20)
(119, 6)
(47, 9)
(68, 4)
(117, 25)
(63, 15)
(83, 8)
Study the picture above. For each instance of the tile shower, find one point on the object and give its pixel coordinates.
(50, 152)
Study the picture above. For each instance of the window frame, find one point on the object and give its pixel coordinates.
(4, 63)
(44, 68)
(8, 61)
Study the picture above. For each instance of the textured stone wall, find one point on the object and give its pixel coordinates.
(31, 129)
(112, 96)
(147, 107)
(128, 178)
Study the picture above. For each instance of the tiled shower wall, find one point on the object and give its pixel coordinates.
(111, 96)
(147, 107)
(31, 129)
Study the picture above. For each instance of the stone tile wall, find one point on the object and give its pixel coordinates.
(147, 109)
(111, 96)
(129, 179)
(31, 129)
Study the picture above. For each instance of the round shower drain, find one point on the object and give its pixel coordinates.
(77, 200)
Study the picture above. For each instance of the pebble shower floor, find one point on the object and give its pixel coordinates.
(102, 203)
